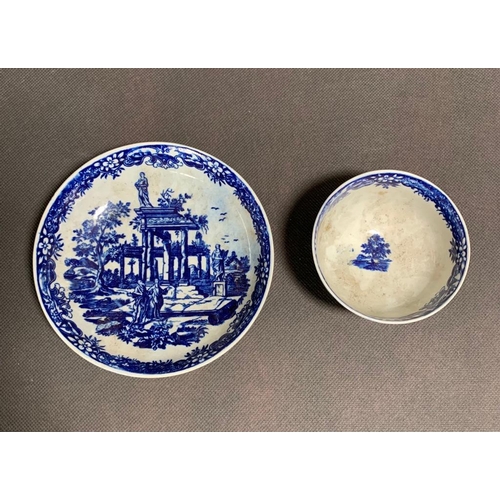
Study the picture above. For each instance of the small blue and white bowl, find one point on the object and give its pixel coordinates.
(391, 246)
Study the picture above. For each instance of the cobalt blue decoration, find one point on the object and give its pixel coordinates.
(127, 288)
(376, 254)
(373, 255)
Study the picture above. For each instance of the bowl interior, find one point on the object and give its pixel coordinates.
(391, 246)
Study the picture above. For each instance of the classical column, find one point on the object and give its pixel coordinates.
(164, 265)
(183, 257)
(199, 264)
(152, 256)
(145, 246)
(169, 264)
(122, 266)
(171, 276)
(179, 268)
(186, 256)
(207, 258)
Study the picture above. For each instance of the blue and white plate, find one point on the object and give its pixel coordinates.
(153, 259)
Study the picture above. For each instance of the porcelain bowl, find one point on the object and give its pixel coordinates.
(391, 246)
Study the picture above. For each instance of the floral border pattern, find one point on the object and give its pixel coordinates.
(49, 245)
(459, 251)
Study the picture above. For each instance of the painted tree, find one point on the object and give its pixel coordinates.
(376, 248)
(98, 240)
(167, 201)
(132, 264)
(245, 263)
(201, 220)
(165, 198)
(373, 254)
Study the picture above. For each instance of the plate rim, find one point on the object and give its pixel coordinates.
(119, 371)
(349, 308)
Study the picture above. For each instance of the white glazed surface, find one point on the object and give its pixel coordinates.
(204, 194)
(419, 242)
(92, 318)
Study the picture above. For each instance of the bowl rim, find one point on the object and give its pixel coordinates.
(365, 316)
(150, 375)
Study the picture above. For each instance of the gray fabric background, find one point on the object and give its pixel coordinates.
(294, 135)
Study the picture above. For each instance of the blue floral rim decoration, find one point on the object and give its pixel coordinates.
(49, 245)
(459, 245)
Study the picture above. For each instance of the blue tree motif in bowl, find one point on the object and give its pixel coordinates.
(153, 259)
(391, 246)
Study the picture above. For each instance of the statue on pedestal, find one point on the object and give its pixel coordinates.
(142, 188)
(218, 259)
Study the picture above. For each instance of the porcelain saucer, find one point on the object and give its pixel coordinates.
(153, 259)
